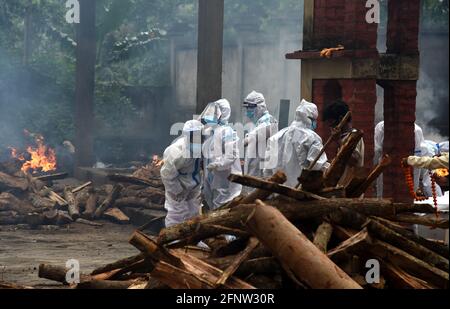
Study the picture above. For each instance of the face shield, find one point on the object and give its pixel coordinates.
(210, 115)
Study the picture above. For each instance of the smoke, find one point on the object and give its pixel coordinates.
(429, 96)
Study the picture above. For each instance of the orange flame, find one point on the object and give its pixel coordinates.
(43, 158)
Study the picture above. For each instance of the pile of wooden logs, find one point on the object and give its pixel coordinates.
(318, 236)
(36, 200)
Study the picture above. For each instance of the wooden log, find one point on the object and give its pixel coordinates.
(426, 220)
(47, 192)
(73, 207)
(252, 244)
(279, 177)
(178, 269)
(51, 177)
(323, 236)
(87, 222)
(397, 277)
(438, 248)
(201, 227)
(273, 187)
(400, 279)
(386, 234)
(338, 165)
(135, 180)
(151, 249)
(376, 172)
(9, 202)
(336, 133)
(81, 187)
(411, 264)
(154, 195)
(195, 274)
(116, 215)
(11, 218)
(41, 203)
(57, 273)
(105, 285)
(119, 264)
(13, 286)
(262, 265)
(8, 182)
(91, 205)
(108, 202)
(356, 243)
(294, 250)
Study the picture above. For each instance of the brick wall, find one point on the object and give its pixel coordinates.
(343, 22)
(403, 26)
(361, 96)
(399, 141)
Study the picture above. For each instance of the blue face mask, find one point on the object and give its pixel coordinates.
(251, 113)
(314, 125)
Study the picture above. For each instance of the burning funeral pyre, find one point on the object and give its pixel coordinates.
(320, 236)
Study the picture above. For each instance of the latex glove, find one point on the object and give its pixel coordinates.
(212, 167)
(178, 197)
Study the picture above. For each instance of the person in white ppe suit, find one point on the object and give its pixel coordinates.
(297, 146)
(181, 176)
(221, 155)
(379, 140)
(263, 125)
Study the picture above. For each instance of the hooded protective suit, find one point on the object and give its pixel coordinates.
(379, 140)
(295, 147)
(221, 153)
(263, 126)
(181, 177)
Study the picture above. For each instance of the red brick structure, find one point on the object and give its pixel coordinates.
(352, 74)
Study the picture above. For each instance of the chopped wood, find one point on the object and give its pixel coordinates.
(279, 177)
(81, 187)
(323, 235)
(116, 215)
(50, 177)
(426, 220)
(8, 182)
(137, 203)
(91, 206)
(87, 222)
(119, 264)
(73, 207)
(338, 165)
(108, 202)
(355, 243)
(294, 250)
(252, 244)
(376, 172)
(273, 187)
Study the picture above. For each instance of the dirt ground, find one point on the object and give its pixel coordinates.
(22, 250)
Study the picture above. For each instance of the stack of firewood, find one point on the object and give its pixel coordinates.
(38, 200)
(318, 235)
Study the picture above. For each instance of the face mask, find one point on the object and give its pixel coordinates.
(314, 125)
(251, 113)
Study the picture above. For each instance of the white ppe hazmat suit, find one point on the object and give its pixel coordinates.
(296, 147)
(263, 125)
(379, 140)
(221, 153)
(181, 177)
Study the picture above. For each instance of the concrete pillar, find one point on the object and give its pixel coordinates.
(85, 84)
(210, 50)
